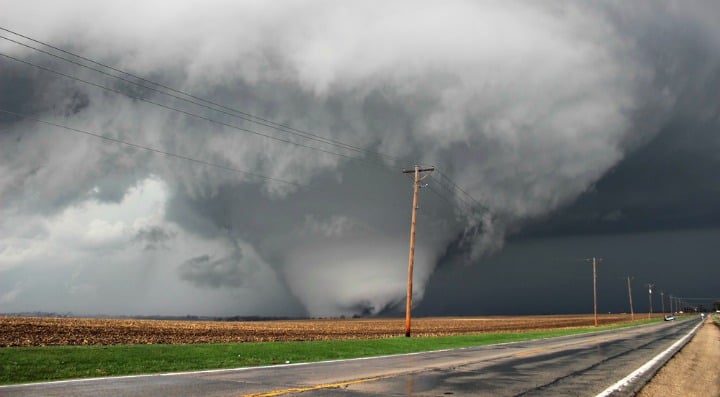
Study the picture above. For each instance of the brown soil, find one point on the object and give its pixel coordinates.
(693, 371)
(34, 331)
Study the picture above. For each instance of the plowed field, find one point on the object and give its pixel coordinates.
(33, 331)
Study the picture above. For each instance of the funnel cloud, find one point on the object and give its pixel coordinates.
(541, 112)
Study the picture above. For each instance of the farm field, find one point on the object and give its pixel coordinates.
(36, 331)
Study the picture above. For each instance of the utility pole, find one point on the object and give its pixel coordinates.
(662, 301)
(671, 305)
(632, 312)
(594, 262)
(411, 258)
(650, 297)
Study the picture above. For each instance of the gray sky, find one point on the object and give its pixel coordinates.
(580, 128)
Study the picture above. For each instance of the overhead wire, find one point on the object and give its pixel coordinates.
(150, 149)
(466, 206)
(449, 201)
(185, 112)
(458, 188)
(462, 204)
(461, 198)
(198, 101)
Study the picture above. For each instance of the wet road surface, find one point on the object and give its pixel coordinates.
(577, 365)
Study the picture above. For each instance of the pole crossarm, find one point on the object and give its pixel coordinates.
(426, 169)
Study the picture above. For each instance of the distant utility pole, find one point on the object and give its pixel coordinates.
(662, 301)
(632, 312)
(671, 305)
(411, 259)
(595, 262)
(650, 297)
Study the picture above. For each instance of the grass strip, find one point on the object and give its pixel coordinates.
(34, 364)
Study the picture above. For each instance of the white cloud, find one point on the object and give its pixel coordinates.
(524, 104)
(98, 267)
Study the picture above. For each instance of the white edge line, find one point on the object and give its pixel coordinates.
(221, 370)
(619, 385)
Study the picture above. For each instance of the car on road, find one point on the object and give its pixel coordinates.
(669, 317)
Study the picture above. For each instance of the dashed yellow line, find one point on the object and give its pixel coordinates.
(315, 387)
(530, 352)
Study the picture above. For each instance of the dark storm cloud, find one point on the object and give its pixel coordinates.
(653, 216)
(207, 271)
(526, 105)
(31, 91)
(153, 237)
(21, 92)
(551, 275)
(677, 39)
(669, 184)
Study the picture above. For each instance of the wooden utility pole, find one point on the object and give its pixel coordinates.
(662, 301)
(632, 312)
(411, 258)
(650, 298)
(594, 262)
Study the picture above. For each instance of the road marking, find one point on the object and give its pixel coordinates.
(276, 366)
(316, 387)
(530, 352)
(619, 385)
(242, 369)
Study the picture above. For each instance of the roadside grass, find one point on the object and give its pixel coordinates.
(34, 364)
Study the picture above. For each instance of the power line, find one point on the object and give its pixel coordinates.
(461, 196)
(465, 206)
(461, 190)
(450, 185)
(150, 149)
(202, 102)
(462, 200)
(700, 299)
(185, 112)
(442, 196)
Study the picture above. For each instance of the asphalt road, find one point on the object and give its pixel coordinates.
(580, 365)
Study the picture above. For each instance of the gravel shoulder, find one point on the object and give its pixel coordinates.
(693, 371)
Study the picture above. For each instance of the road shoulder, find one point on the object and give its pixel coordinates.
(693, 370)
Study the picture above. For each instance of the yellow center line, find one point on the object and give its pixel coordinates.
(364, 380)
(530, 352)
(316, 387)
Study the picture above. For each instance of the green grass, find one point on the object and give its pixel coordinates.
(33, 364)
